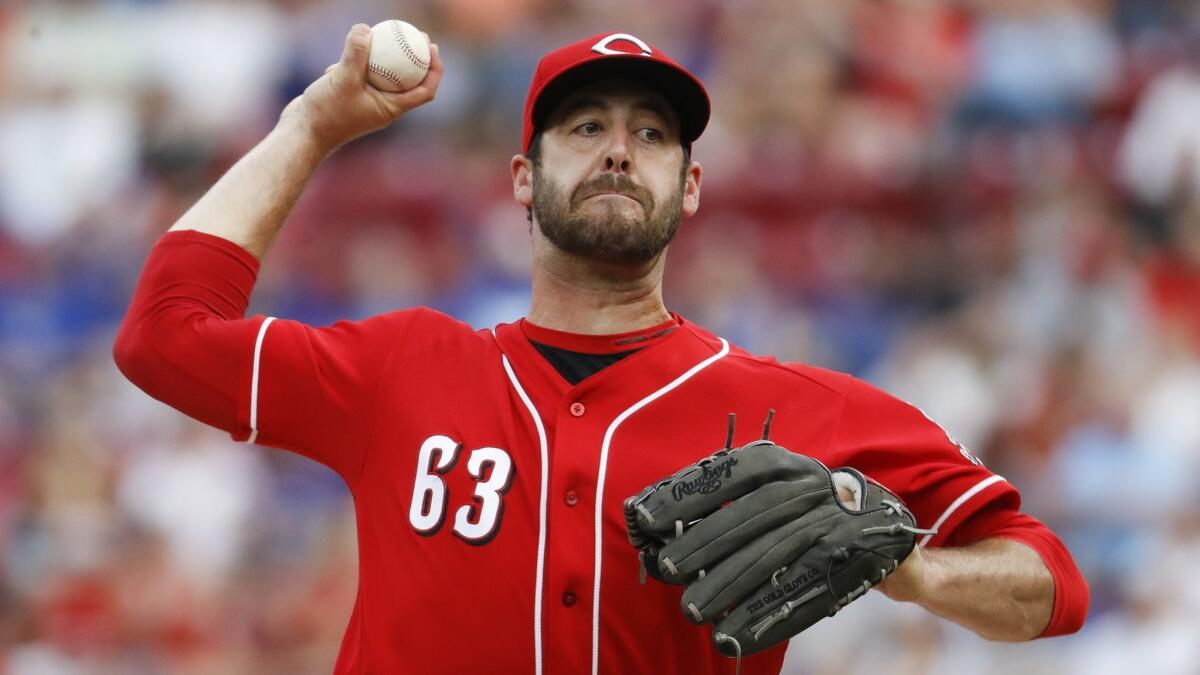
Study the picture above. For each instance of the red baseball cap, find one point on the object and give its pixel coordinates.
(615, 55)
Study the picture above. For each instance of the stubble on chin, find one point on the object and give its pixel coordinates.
(604, 229)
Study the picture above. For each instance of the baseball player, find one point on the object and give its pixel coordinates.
(490, 468)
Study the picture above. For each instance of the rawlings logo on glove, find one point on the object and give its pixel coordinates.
(707, 482)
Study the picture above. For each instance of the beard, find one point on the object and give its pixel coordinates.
(611, 236)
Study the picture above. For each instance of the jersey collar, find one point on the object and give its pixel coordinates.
(600, 344)
(663, 359)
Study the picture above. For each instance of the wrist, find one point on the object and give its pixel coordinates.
(925, 585)
(298, 132)
(915, 581)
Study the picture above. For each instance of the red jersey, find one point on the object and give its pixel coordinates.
(488, 489)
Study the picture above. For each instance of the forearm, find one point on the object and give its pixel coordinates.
(998, 588)
(250, 203)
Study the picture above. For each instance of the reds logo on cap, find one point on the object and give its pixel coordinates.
(618, 55)
(602, 47)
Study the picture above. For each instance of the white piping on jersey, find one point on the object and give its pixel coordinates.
(258, 343)
(962, 499)
(608, 435)
(541, 550)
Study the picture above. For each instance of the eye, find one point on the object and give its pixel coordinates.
(650, 135)
(588, 128)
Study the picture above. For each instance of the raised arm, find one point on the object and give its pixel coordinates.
(185, 339)
(250, 203)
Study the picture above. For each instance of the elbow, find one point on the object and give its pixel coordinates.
(1061, 602)
(130, 351)
(1039, 605)
(1052, 600)
(1058, 597)
(1072, 599)
(142, 349)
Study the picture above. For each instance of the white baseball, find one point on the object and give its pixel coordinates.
(399, 56)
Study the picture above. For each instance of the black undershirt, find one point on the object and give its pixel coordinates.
(577, 366)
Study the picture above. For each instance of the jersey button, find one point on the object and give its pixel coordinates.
(569, 598)
(571, 498)
(577, 409)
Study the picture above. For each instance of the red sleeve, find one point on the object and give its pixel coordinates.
(185, 342)
(895, 444)
(1071, 595)
(950, 490)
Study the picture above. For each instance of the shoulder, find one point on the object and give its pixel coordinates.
(413, 322)
(431, 321)
(767, 369)
(418, 329)
(426, 326)
(856, 399)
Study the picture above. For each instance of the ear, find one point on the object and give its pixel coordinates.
(522, 178)
(691, 189)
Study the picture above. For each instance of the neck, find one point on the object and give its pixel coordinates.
(577, 295)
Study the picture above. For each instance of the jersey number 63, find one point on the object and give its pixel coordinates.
(476, 522)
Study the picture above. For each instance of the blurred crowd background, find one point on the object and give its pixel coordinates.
(991, 209)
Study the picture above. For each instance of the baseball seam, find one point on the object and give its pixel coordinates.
(408, 48)
(387, 75)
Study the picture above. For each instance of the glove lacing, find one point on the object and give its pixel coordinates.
(721, 638)
(896, 528)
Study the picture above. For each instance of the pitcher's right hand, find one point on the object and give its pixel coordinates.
(340, 105)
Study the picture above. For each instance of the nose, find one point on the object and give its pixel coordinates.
(616, 155)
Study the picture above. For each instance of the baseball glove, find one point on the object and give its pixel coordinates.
(763, 545)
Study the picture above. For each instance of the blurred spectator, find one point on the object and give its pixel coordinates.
(198, 497)
(1160, 156)
(1040, 61)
